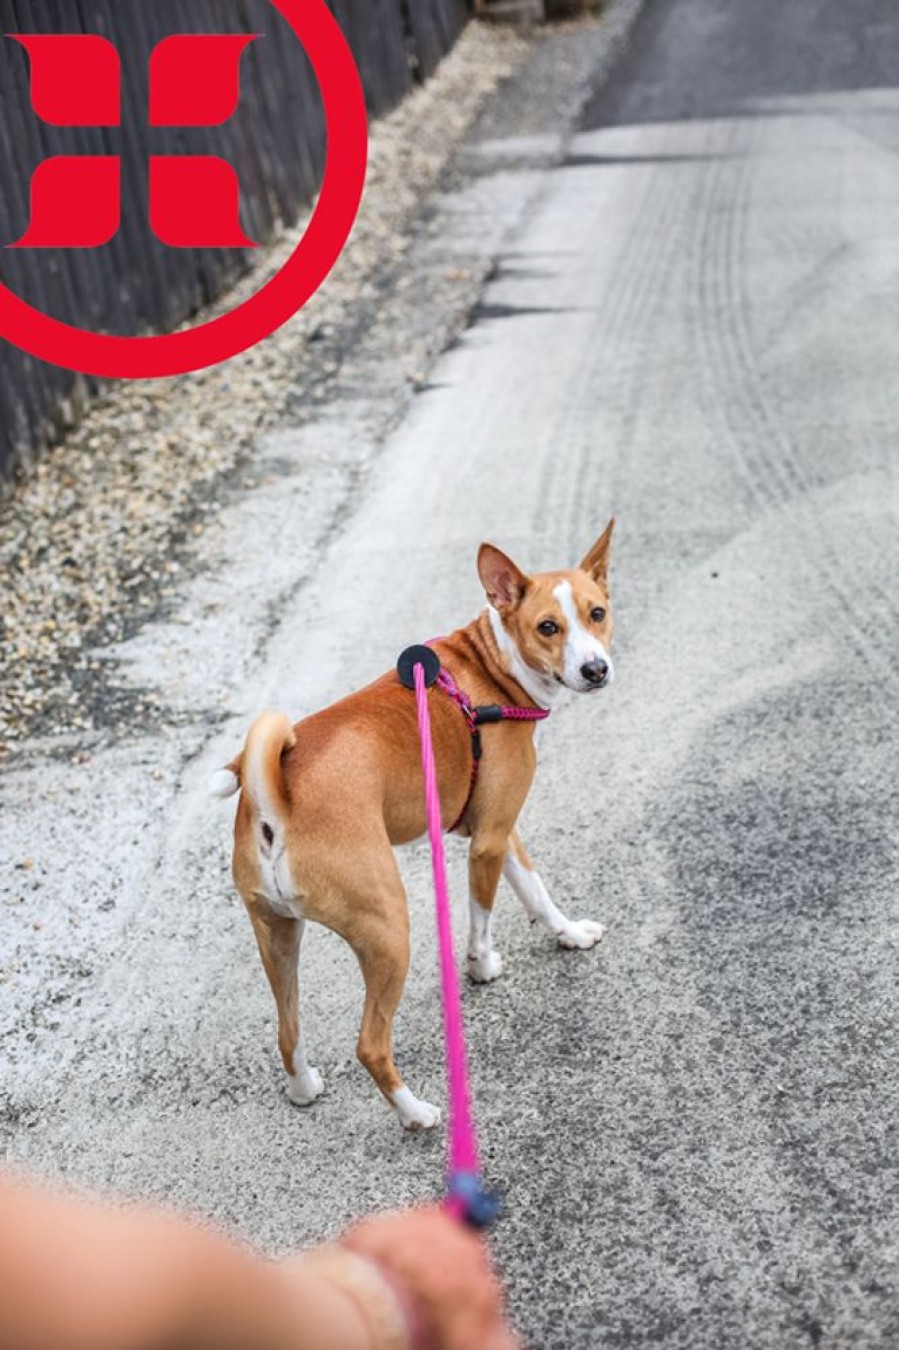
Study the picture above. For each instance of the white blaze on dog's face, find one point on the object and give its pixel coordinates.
(555, 628)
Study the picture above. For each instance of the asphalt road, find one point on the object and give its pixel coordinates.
(693, 324)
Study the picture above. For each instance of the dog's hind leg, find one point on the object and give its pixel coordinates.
(279, 941)
(527, 885)
(375, 922)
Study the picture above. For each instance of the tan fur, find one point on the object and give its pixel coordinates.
(268, 738)
(346, 785)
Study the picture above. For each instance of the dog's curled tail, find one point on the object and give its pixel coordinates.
(257, 769)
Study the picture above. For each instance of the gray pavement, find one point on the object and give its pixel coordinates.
(692, 323)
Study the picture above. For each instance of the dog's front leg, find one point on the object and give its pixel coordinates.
(527, 885)
(485, 865)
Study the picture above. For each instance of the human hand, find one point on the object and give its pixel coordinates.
(443, 1269)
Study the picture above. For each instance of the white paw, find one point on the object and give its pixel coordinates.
(483, 969)
(304, 1088)
(581, 933)
(415, 1114)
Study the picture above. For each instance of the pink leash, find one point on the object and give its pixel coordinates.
(467, 1197)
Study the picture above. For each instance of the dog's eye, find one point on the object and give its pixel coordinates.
(598, 614)
(548, 628)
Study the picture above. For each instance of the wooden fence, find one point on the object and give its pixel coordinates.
(275, 142)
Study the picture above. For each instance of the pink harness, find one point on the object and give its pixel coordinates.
(419, 667)
(476, 717)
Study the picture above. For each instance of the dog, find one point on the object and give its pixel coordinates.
(323, 802)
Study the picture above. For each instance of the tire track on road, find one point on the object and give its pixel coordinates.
(774, 465)
(628, 310)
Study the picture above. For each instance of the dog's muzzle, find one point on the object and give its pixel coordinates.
(596, 673)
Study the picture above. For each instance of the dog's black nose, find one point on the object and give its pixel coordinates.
(596, 671)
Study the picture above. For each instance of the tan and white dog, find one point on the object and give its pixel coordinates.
(322, 803)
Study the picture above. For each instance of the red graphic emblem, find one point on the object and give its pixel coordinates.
(194, 199)
(76, 81)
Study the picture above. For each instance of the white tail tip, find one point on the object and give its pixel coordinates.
(223, 783)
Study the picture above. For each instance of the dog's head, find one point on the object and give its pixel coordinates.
(554, 628)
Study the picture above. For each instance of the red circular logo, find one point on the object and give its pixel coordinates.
(136, 358)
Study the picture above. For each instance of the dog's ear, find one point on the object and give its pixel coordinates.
(504, 583)
(596, 562)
